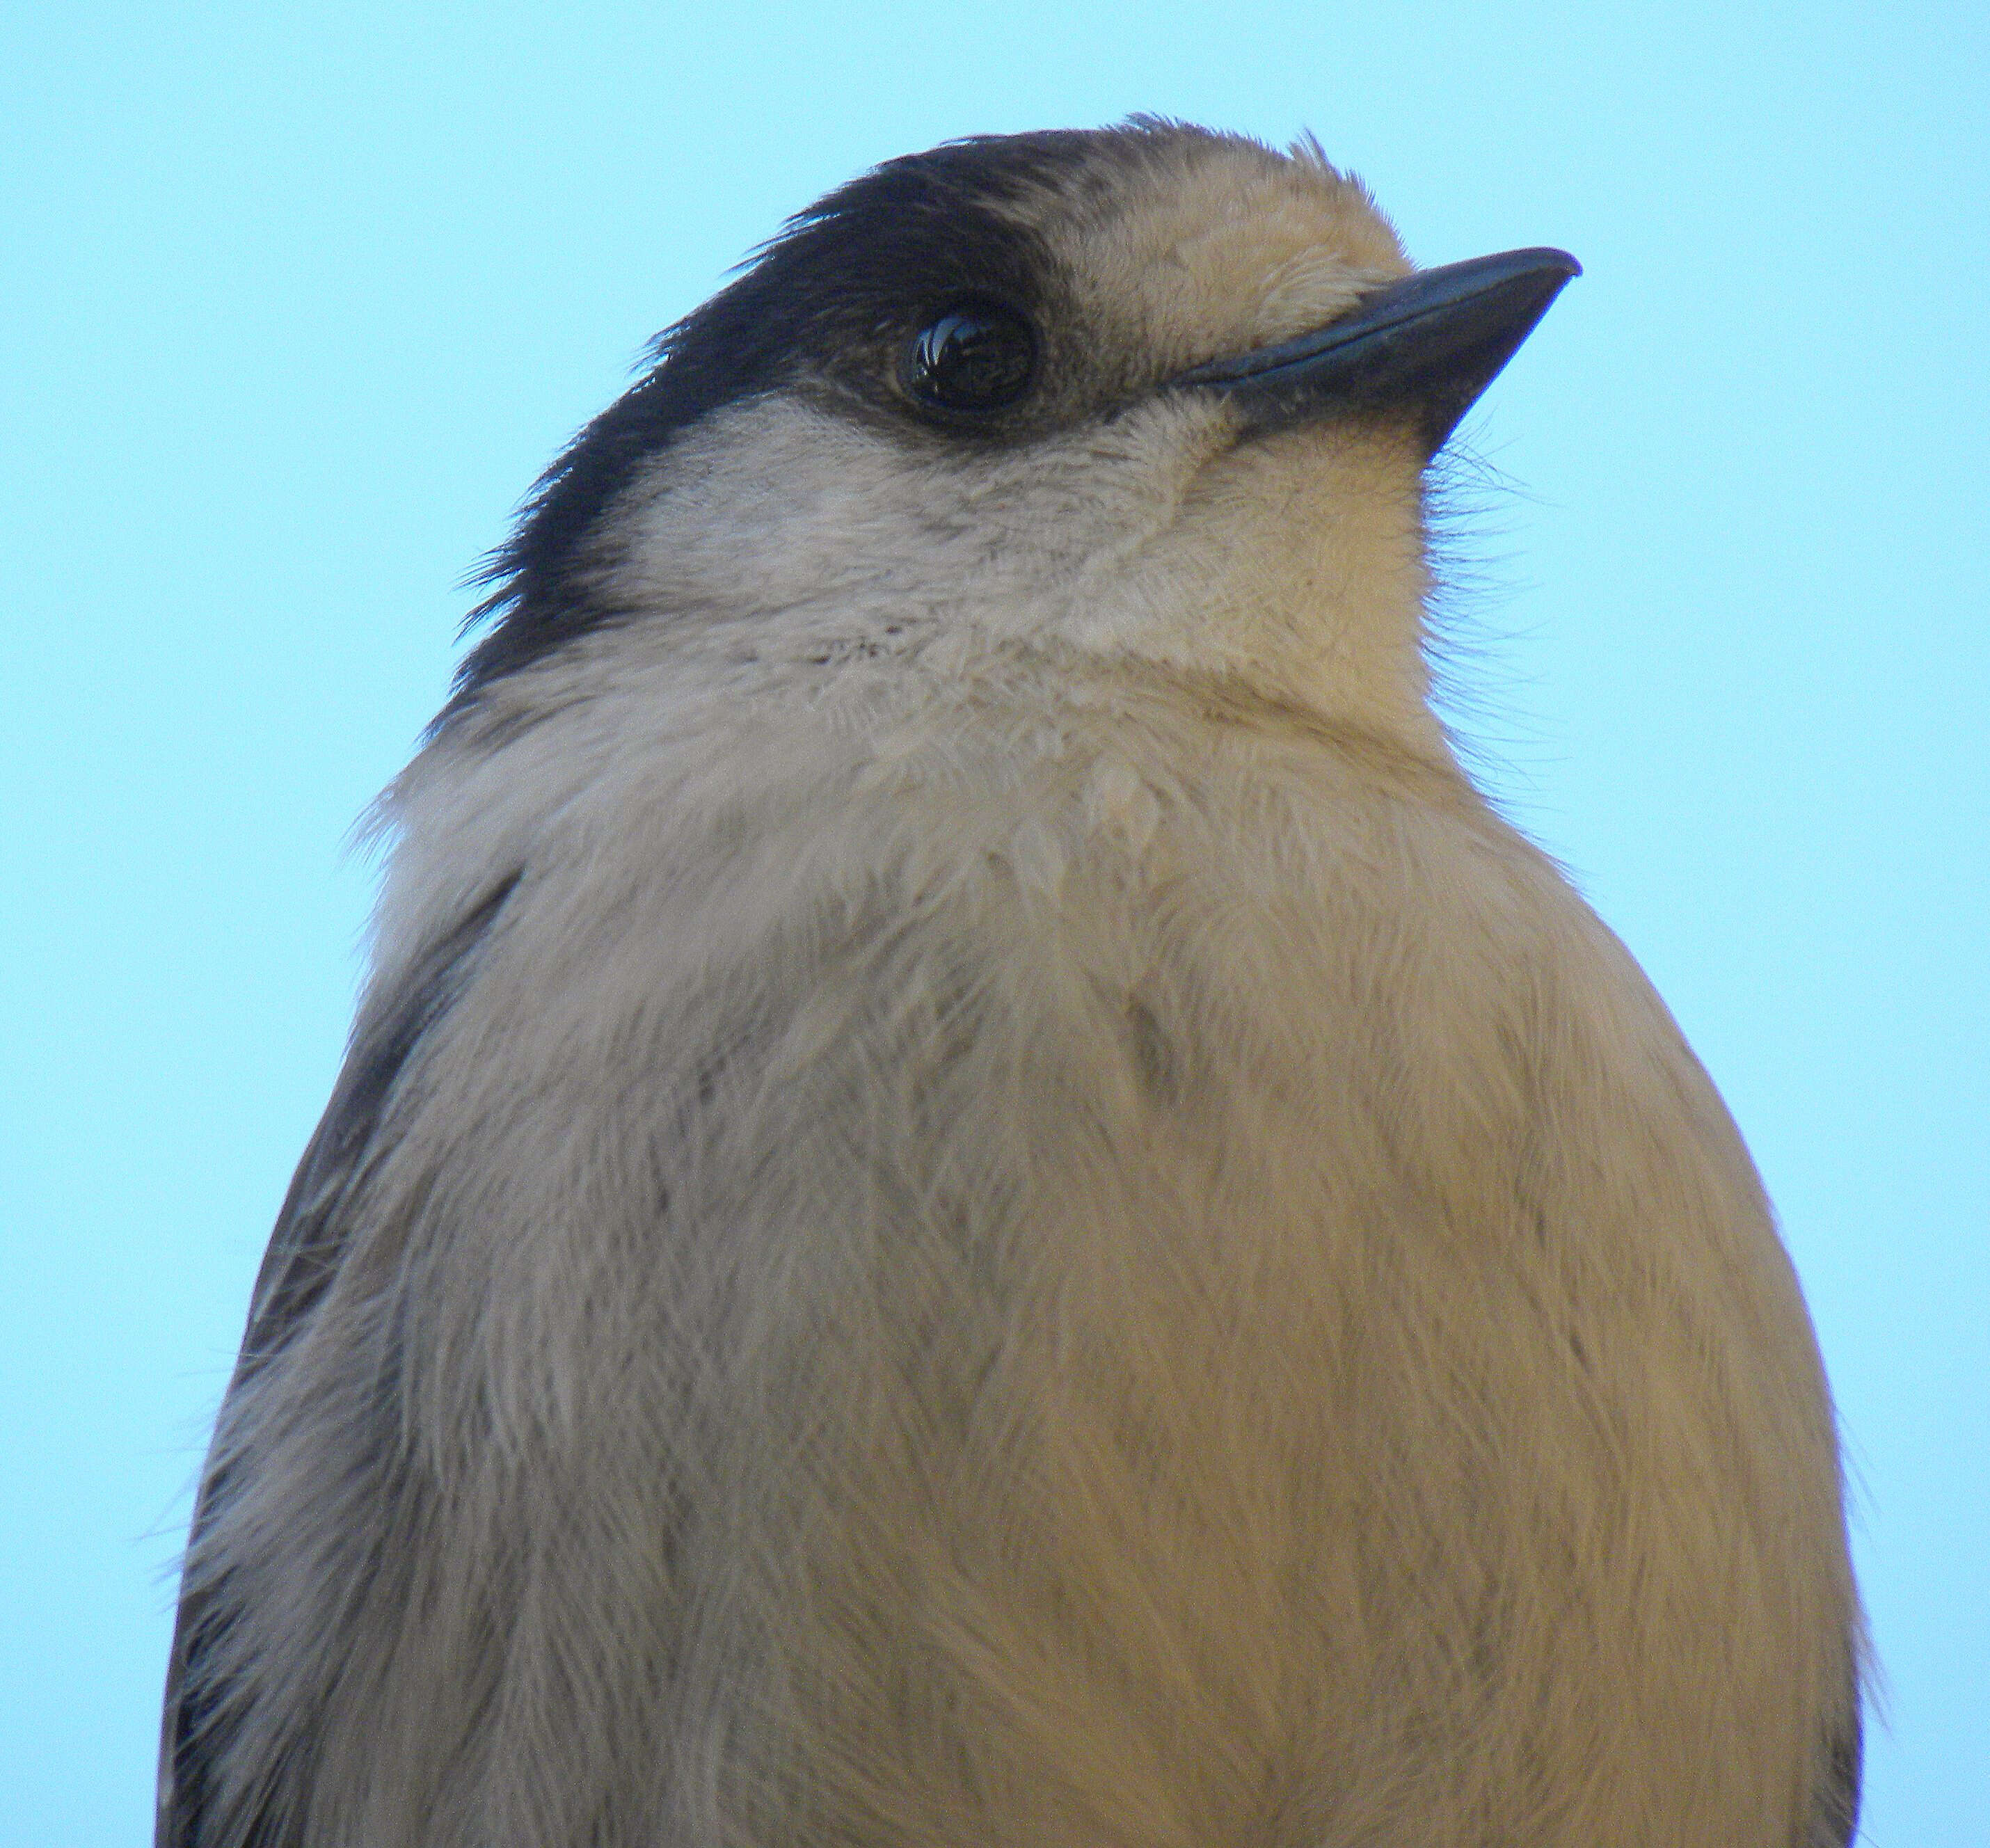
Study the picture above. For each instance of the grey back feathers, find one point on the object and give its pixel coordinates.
(976, 1199)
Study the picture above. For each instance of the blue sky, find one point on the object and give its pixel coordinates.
(297, 301)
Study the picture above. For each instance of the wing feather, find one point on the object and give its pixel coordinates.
(306, 1249)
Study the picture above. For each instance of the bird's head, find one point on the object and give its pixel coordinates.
(1147, 392)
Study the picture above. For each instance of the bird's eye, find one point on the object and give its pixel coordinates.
(977, 356)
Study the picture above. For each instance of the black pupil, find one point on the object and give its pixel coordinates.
(974, 357)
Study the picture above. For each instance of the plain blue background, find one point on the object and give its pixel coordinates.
(296, 301)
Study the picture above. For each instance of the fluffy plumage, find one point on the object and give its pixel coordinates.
(977, 1200)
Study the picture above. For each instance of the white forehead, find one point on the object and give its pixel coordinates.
(1203, 246)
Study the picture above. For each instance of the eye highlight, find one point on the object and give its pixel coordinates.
(979, 355)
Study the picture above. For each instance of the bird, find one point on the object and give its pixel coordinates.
(977, 1198)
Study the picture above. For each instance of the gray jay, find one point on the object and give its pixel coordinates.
(977, 1201)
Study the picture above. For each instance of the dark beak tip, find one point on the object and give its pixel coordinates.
(1547, 270)
(1428, 344)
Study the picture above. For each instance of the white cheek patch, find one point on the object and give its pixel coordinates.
(810, 530)
(764, 506)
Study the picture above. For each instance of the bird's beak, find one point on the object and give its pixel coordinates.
(1427, 345)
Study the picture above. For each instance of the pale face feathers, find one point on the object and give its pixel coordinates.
(815, 513)
(1212, 247)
